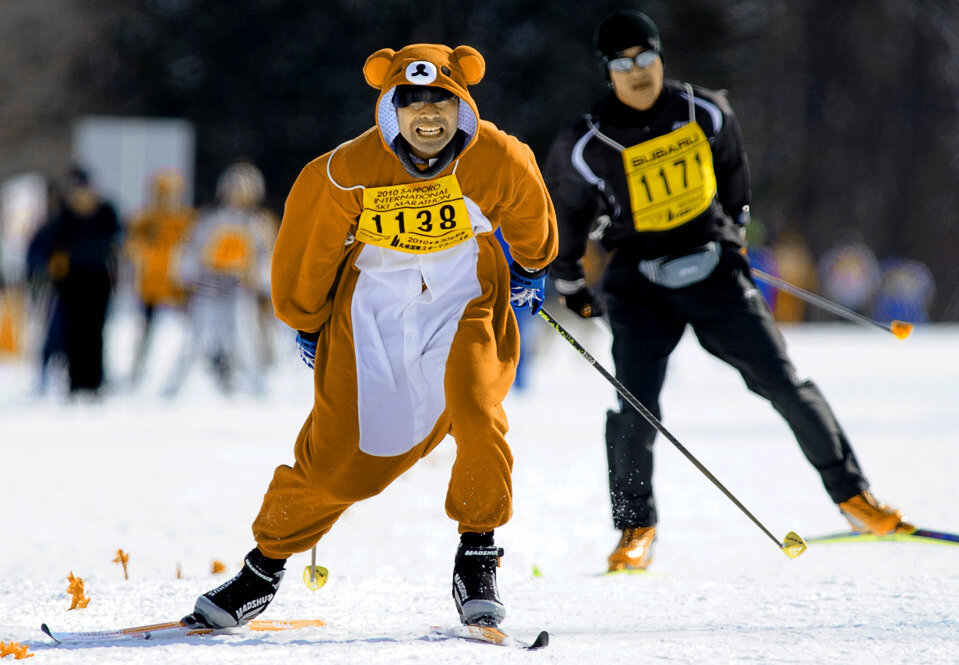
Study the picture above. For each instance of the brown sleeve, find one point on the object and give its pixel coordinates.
(309, 250)
(528, 220)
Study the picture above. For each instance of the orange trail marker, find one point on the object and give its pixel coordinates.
(18, 651)
(75, 589)
(122, 558)
(179, 571)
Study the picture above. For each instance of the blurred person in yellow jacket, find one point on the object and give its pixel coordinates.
(796, 265)
(154, 240)
(387, 265)
(226, 267)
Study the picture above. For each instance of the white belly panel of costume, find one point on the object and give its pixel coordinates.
(406, 309)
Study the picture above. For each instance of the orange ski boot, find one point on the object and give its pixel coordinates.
(634, 551)
(866, 514)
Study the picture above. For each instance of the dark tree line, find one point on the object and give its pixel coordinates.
(848, 108)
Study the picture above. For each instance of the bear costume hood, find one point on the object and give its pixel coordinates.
(452, 69)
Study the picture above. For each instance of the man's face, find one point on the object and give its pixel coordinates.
(167, 190)
(428, 126)
(81, 199)
(640, 86)
(240, 195)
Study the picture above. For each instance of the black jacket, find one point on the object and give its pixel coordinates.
(586, 177)
(90, 240)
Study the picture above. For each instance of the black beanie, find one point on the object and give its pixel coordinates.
(624, 29)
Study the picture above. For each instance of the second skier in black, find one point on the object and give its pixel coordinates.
(658, 172)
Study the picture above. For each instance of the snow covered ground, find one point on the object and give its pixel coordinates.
(179, 483)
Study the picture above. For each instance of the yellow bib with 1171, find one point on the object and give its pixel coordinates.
(670, 178)
(416, 218)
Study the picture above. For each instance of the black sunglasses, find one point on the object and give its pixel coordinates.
(625, 64)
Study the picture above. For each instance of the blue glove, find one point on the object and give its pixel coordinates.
(306, 345)
(526, 289)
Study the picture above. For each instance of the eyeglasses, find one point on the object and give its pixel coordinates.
(641, 60)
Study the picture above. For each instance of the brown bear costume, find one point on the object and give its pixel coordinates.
(395, 265)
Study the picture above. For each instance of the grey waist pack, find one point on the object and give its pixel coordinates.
(680, 271)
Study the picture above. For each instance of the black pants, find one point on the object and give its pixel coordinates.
(84, 298)
(732, 322)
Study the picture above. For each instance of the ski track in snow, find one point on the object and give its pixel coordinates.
(180, 482)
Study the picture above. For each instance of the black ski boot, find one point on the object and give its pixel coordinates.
(238, 600)
(474, 580)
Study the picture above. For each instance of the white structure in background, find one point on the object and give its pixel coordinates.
(123, 154)
(23, 205)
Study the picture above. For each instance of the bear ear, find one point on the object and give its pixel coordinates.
(377, 65)
(470, 62)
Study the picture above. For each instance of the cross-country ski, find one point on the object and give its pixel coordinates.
(172, 629)
(917, 536)
(492, 635)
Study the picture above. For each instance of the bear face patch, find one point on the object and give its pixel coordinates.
(421, 72)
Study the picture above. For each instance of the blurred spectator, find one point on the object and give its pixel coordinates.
(81, 263)
(762, 258)
(156, 236)
(850, 275)
(794, 262)
(906, 290)
(596, 258)
(528, 333)
(226, 264)
(267, 226)
(42, 291)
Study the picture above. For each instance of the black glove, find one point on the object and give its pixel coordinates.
(584, 303)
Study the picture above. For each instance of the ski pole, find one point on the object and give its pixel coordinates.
(792, 545)
(314, 576)
(900, 329)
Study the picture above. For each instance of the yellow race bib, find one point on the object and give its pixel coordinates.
(670, 178)
(417, 218)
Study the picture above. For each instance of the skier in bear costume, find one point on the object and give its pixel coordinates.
(387, 265)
